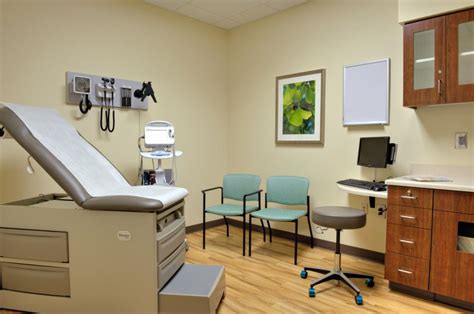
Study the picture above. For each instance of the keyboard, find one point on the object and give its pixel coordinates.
(368, 185)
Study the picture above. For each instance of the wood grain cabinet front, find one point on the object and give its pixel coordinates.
(410, 216)
(410, 241)
(452, 270)
(438, 60)
(408, 271)
(411, 197)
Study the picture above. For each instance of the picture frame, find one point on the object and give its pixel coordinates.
(300, 107)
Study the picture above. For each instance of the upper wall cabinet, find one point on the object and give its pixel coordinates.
(439, 60)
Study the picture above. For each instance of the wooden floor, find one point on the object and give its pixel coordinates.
(268, 282)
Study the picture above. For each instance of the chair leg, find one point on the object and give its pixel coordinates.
(270, 230)
(263, 230)
(226, 225)
(203, 230)
(243, 236)
(310, 232)
(296, 241)
(250, 235)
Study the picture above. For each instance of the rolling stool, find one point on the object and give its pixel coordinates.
(338, 218)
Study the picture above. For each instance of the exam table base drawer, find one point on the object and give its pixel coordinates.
(408, 271)
(194, 289)
(171, 265)
(49, 246)
(44, 280)
(170, 238)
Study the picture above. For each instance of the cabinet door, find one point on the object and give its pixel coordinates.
(460, 56)
(424, 63)
(452, 258)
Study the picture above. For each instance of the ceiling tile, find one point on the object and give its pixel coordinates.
(226, 8)
(283, 4)
(226, 14)
(198, 13)
(227, 23)
(256, 13)
(169, 4)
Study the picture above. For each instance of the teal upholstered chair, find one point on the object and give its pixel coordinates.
(286, 190)
(238, 187)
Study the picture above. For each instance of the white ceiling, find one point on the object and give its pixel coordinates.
(226, 14)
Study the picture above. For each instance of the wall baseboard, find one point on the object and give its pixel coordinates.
(209, 224)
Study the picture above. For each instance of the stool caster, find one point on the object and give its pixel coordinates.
(304, 274)
(312, 292)
(370, 283)
(359, 300)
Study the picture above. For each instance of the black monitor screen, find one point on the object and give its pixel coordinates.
(373, 152)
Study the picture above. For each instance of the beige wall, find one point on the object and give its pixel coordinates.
(219, 87)
(1, 93)
(186, 60)
(329, 34)
(410, 10)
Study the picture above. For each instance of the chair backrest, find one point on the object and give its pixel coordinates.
(237, 185)
(288, 190)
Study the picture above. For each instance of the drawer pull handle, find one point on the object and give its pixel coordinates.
(405, 271)
(407, 241)
(407, 217)
(408, 197)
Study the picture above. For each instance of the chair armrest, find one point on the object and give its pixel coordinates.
(250, 194)
(211, 189)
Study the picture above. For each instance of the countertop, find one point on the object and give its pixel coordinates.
(464, 184)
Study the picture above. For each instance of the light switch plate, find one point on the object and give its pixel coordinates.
(460, 141)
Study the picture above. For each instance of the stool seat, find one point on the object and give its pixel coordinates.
(339, 217)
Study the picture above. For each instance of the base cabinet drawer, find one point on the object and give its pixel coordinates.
(411, 197)
(408, 271)
(35, 279)
(49, 246)
(415, 242)
(170, 238)
(410, 216)
(171, 265)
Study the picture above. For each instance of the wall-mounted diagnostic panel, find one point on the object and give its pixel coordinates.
(89, 90)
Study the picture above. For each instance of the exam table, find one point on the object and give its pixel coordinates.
(105, 246)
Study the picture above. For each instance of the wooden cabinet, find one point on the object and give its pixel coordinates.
(438, 58)
(452, 269)
(407, 261)
(425, 232)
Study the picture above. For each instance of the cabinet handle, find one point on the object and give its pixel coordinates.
(439, 87)
(407, 241)
(408, 197)
(405, 271)
(407, 217)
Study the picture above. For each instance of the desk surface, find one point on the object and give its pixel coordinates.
(363, 192)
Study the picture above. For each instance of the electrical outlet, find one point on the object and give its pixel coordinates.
(460, 140)
(364, 206)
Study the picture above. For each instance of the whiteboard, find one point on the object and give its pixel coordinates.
(367, 93)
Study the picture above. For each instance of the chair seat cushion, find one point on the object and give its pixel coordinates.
(339, 217)
(279, 214)
(230, 209)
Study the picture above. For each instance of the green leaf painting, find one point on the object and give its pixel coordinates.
(299, 108)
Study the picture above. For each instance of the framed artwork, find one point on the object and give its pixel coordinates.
(300, 107)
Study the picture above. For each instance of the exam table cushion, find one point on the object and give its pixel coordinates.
(230, 209)
(279, 214)
(77, 166)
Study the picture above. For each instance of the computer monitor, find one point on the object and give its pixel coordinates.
(374, 152)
